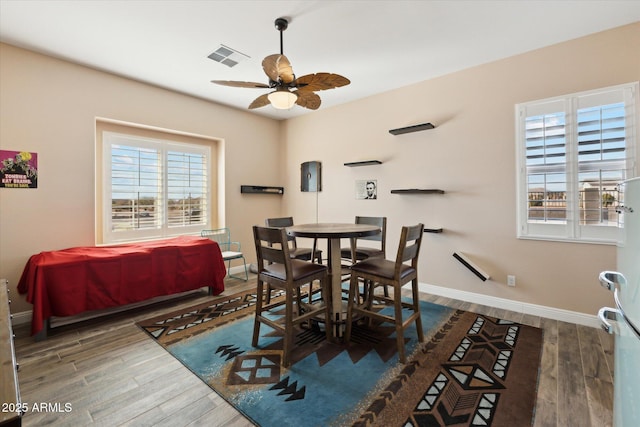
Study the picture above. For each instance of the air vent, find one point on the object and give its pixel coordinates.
(227, 56)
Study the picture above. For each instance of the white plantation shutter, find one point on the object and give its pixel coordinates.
(186, 188)
(603, 159)
(546, 159)
(573, 151)
(136, 188)
(153, 188)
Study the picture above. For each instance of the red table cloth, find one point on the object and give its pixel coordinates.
(71, 281)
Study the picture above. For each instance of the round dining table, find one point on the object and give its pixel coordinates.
(333, 232)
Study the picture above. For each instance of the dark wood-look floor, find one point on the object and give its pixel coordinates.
(111, 374)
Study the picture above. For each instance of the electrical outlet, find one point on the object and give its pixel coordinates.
(511, 280)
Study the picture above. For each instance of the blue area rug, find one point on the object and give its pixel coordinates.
(331, 384)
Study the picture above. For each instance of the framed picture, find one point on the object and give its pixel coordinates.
(18, 169)
(367, 189)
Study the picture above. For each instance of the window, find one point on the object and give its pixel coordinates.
(153, 188)
(572, 152)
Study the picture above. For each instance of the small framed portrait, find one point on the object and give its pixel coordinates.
(367, 189)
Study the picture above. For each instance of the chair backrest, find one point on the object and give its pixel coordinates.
(220, 235)
(282, 223)
(409, 247)
(271, 247)
(380, 221)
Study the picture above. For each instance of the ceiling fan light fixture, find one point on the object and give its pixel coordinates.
(281, 78)
(282, 99)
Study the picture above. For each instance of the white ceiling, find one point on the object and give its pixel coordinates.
(379, 45)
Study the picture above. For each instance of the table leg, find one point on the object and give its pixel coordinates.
(335, 270)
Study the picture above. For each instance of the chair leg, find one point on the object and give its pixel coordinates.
(288, 330)
(256, 322)
(416, 307)
(370, 291)
(362, 297)
(315, 255)
(300, 307)
(386, 291)
(399, 329)
(325, 285)
(246, 273)
(353, 291)
(267, 299)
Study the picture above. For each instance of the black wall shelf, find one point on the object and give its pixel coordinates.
(409, 129)
(433, 230)
(364, 163)
(259, 189)
(464, 259)
(417, 191)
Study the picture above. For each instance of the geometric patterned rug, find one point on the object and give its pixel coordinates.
(472, 370)
(476, 371)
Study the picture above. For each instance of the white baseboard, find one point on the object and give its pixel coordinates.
(511, 305)
(21, 318)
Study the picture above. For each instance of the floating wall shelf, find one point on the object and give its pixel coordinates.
(364, 163)
(417, 191)
(433, 230)
(464, 259)
(259, 189)
(409, 129)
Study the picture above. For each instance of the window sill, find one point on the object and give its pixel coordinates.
(569, 240)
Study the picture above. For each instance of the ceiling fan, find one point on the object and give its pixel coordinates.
(289, 90)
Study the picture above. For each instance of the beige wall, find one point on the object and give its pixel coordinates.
(49, 106)
(470, 155)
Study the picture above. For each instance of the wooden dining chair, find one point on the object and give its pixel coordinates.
(363, 252)
(278, 270)
(376, 272)
(307, 254)
(355, 252)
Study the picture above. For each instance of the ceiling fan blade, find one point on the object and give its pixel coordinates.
(240, 84)
(320, 81)
(308, 100)
(260, 101)
(277, 67)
